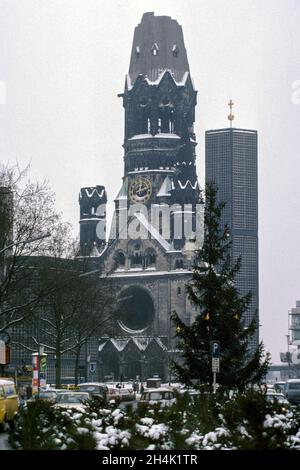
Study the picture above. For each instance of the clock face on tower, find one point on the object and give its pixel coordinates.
(140, 190)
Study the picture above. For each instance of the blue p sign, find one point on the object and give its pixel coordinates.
(215, 349)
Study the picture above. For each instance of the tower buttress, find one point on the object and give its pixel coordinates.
(92, 202)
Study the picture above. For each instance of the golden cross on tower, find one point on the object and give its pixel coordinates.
(231, 116)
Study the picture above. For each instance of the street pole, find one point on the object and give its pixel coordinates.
(215, 361)
(39, 368)
(214, 382)
(87, 362)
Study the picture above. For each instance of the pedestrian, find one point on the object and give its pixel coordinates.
(22, 402)
(142, 388)
(29, 391)
(264, 387)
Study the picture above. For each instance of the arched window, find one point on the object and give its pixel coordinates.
(120, 259)
(136, 254)
(179, 264)
(143, 124)
(178, 290)
(150, 257)
(160, 223)
(159, 125)
(171, 121)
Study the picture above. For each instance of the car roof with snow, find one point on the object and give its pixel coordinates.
(92, 383)
(6, 382)
(160, 389)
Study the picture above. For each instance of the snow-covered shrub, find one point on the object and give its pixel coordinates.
(206, 422)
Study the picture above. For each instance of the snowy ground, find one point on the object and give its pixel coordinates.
(4, 445)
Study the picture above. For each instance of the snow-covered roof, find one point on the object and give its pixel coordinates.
(122, 194)
(184, 185)
(161, 73)
(89, 219)
(94, 251)
(162, 135)
(161, 344)
(90, 191)
(131, 273)
(142, 343)
(153, 170)
(120, 343)
(165, 188)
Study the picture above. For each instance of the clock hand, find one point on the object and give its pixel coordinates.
(140, 190)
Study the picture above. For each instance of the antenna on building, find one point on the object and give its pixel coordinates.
(230, 116)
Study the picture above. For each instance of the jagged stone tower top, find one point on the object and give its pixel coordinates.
(158, 45)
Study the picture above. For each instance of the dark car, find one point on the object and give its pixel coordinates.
(95, 389)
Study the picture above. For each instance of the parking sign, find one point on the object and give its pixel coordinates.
(215, 356)
(215, 349)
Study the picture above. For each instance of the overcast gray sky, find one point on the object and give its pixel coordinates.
(62, 63)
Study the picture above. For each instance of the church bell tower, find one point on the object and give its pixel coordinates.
(159, 143)
(151, 264)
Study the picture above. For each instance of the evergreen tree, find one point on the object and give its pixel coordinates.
(220, 312)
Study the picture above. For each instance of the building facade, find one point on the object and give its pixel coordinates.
(156, 223)
(231, 163)
(294, 325)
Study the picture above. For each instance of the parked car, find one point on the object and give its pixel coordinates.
(72, 400)
(9, 403)
(292, 391)
(270, 388)
(97, 389)
(161, 395)
(278, 398)
(125, 391)
(279, 386)
(113, 389)
(47, 395)
(193, 394)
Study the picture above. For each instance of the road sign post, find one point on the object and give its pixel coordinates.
(215, 362)
(92, 367)
(39, 365)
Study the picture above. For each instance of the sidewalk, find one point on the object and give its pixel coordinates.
(4, 445)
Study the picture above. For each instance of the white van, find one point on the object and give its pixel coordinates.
(292, 391)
